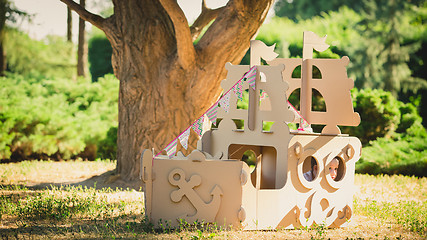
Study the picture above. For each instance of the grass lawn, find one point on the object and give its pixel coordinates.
(77, 199)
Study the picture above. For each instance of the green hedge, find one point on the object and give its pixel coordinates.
(99, 55)
(379, 112)
(55, 118)
(392, 132)
(405, 155)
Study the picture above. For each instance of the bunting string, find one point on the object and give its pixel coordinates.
(211, 113)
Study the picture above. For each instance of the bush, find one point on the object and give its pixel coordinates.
(405, 152)
(379, 112)
(51, 57)
(107, 148)
(403, 155)
(55, 118)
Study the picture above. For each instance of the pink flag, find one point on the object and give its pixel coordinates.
(183, 138)
(212, 113)
(171, 148)
(225, 101)
(198, 125)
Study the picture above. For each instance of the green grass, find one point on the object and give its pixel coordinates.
(409, 214)
(397, 199)
(385, 207)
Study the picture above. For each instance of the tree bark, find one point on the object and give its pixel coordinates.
(166, 82)
(82, 47)
(69, 25)
(3, 65)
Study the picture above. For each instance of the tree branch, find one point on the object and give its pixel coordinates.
(94, 19)
(205, 17)
(185, 48)
(237, 24)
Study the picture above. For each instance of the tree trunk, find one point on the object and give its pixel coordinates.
(166, 82)
(3, 11)
(82, 47)
(69, 25)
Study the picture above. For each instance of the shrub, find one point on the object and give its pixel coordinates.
(107, 147)
(55, 118)
(405, 155)
(379, 112)
(51, 57)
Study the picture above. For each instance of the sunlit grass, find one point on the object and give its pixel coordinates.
(397, 199)
(34, 172)
(384, 207)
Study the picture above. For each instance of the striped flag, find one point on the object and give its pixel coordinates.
(183, 138)
(198, 125)
(171, 148)
(251, 76)
(212, 113)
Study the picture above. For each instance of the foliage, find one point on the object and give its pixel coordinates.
(383, 46)
(402, 154)
(382, 29)
(107, 147)
(306, 9)
(55, 118)
(49, 58)
(379, 113)
(99, 55)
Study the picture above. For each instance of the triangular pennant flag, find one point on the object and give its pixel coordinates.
(293, 109)
(183, 138)
(198, 125)
(206, 124)
(212, 113)
(238, 90)
(171, 148)
(225, 101)
(303, 124)
(250, 77)
(264, 95)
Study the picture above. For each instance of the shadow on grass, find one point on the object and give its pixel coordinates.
(122, 227)
(106, 180)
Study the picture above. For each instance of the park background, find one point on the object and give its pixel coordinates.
(48, 112)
